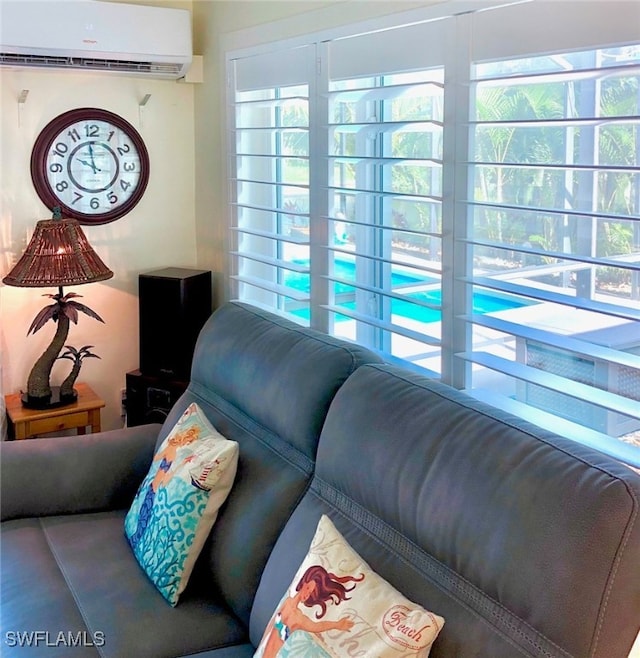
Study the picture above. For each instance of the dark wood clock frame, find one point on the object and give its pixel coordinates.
(44, 142)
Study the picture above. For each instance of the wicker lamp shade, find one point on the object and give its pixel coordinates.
(58, 254)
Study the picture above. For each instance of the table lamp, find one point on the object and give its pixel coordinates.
(58, 254)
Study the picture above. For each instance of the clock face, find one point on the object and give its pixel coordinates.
(92, 163)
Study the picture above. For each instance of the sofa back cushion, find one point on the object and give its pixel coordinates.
(267, 384)
(527, 544)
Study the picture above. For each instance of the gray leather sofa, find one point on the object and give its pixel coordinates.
(527, 544)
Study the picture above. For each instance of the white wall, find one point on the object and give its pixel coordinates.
(158, 232)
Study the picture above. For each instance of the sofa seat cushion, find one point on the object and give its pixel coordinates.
(76, 575)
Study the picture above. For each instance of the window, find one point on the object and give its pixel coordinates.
(464, 199)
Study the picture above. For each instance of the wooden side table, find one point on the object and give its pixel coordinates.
(83, 413)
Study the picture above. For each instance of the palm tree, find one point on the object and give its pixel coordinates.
(77, 356)
(62, 311)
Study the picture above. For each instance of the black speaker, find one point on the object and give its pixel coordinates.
(149, 399)
(174, 305)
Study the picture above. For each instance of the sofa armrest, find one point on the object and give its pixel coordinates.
(65, 475)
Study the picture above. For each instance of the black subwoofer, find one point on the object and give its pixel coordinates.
(174, 305)
(149, 399)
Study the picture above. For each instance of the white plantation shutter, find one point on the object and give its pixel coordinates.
(543, 218)
(269, 177)
(460, 193)
(385, 163)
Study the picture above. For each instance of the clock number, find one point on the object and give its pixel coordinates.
(60, 149)
(129, 166)
(77, 196)
(111, 134)
(74, 134)
(91, 130)
(125, 185)
(55, 167)
(94, 203)
(123, 149)
(112, 198)
(62, 186)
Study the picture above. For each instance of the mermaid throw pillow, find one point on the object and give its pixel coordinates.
(337, 606)
(177, 503)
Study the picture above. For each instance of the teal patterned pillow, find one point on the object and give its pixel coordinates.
(178, 501)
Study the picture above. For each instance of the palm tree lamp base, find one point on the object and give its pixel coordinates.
(56, 399)
(58, 254)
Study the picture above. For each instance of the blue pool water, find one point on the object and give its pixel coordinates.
(346, 270)
(483, 302)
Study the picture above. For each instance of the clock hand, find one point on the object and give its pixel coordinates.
(90, 164)
(92, 158)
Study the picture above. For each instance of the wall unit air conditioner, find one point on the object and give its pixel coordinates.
(92, 35)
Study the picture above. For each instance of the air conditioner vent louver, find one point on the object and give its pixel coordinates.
(87, 63)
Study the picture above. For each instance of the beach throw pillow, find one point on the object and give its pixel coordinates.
(338, 606)
(178, 501)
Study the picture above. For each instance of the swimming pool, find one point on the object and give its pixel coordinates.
(346, 270)
(483, 302)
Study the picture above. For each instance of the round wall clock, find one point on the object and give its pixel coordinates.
(92, 163)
